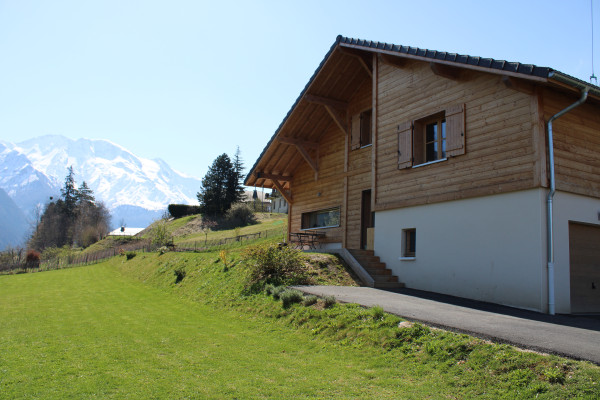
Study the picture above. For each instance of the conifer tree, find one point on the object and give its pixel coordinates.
(218, 191)
(70, 194)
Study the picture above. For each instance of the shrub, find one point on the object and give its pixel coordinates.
(179, 274)
(310, 300)
(162, 250)
(32, 259)
(277, 291)
(377, 313)
(160, 235)
(329, 301)
(181, 210)
(130, 255)
(271, 264)
(240, 214)
(290, 296)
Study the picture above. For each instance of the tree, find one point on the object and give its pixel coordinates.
(85, 194)
(70, 194)
(219, 187)
(76, 218)
(238, 166)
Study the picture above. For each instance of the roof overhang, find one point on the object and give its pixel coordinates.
(295, 140)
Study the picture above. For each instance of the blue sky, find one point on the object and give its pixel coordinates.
(188, 80)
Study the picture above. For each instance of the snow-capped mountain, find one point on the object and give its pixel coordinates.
(127, 184)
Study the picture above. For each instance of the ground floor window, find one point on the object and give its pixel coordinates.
(326, 218)
(409, 242)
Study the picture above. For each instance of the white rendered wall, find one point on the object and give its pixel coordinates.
(575, 208)
(488, 248)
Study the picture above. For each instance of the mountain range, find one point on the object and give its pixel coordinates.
(136, 190)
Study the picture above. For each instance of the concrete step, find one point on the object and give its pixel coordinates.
(388, 285)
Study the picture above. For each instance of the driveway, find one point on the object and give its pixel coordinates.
(571, 336)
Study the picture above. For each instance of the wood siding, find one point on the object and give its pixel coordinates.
(499, 148)
(336, 179)
(576, 145)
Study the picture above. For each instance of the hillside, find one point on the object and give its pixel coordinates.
(179, 321)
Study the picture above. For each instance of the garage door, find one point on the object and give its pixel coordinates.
(584, 249)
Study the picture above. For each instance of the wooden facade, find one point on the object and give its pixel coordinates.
(317, 162)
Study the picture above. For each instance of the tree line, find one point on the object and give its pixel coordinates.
(76, 218)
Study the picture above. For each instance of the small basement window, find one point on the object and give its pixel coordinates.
(409, 242)
(327, 218)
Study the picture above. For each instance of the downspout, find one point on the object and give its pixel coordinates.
(549, 219)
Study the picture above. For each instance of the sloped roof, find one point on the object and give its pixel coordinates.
(525, 71)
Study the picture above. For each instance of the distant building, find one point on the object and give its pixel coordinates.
(124, 231)
(258, 200)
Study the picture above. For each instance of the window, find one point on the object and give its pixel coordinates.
(327, 218)
(361, 129)
(433, 138)
(429, 139)
(409, 242)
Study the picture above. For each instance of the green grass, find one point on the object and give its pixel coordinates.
(90, 333)
(126, 329)
(268, 222)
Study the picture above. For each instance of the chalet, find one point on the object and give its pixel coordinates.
(448, 173)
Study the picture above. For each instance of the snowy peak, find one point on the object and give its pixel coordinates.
(116, 175)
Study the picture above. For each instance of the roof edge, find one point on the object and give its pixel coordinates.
(338, 39)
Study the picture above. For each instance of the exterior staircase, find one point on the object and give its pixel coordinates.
(376, 269)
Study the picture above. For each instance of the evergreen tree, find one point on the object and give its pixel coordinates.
(238, 166)
(76, 218)
(86, 195)
(70, 194)
(218, 191)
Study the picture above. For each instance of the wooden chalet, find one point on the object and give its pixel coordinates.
(447, 173)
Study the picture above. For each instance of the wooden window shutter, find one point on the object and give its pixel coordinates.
(455, 130)
(405, 135)
(355, 132)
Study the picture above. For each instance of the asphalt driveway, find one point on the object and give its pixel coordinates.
(572, 336)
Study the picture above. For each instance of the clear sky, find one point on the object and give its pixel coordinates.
(186, 81)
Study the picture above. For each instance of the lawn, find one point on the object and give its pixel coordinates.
(126, 329)
(89, 332)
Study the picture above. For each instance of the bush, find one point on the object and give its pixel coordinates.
(329, 301)
(240, 214)
(130, 255)
(181, 210)
(179, 274)
(160, 235)
(32, 259)
(377, 313)
(290, 296)
(310, 300)
(271, 264)
(277, 291)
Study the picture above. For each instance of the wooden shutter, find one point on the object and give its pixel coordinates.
(355, 131)
(405, 145)
(455, 130)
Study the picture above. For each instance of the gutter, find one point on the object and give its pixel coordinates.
(585, 89)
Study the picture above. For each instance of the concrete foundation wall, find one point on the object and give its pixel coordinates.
(488, 248)
(575, 208)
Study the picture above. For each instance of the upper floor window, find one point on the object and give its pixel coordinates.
(361, 129)
(432, 138)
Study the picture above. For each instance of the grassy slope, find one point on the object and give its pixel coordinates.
(91, 333)
(115, 330)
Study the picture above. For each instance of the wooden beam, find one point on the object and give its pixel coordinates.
(326, 101)
(360, 56)
(397, 62)
(446, 71)
(287, 195)
(314, 164)
(518, 85)
(298, 142)
(339, 118)
(266, 175)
